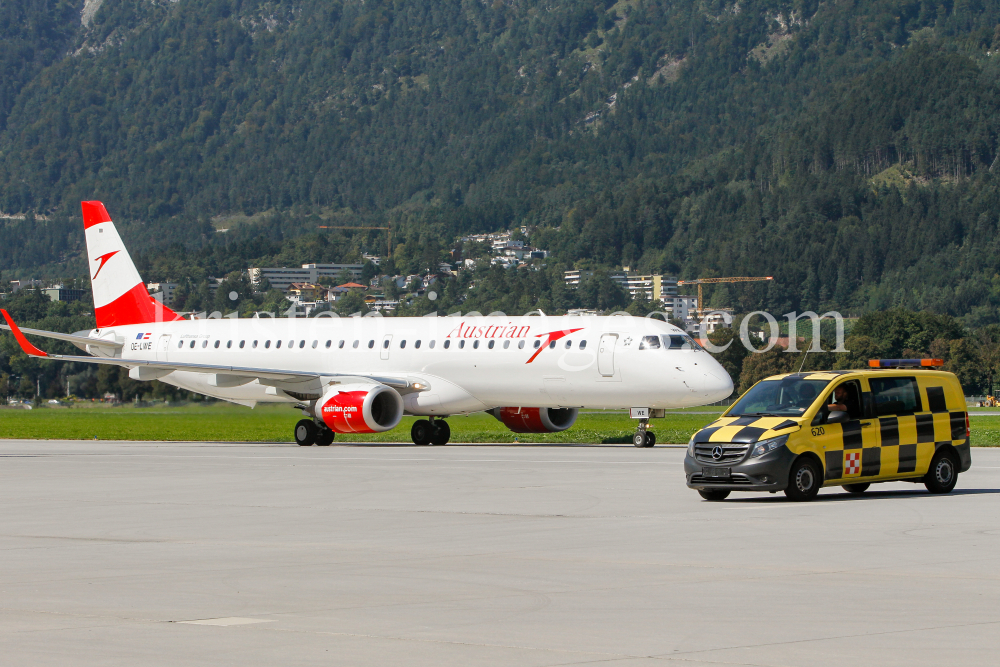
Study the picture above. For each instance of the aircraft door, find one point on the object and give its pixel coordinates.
(606, 355)
(386, 344)
(164, 346)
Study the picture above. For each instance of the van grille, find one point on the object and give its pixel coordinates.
(738, 479)
(731, 453)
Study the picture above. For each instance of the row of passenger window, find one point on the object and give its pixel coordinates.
(371, 344)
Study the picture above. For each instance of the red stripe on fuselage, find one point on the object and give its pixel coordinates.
(133, 307)
(94, 213)
(552, 336)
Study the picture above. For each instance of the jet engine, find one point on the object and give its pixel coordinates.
(360, 408)
(536, 420)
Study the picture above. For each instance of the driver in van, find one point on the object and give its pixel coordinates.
(843, 400)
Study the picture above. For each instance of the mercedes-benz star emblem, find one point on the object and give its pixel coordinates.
(717, 452)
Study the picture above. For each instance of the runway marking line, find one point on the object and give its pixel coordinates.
(226, 621)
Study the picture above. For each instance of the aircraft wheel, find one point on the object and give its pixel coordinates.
(305, 432)
(421, 432)
(650, 439)
(639, 439)
(324, 437)
(714, 494)
(442, 432)
(858, 488)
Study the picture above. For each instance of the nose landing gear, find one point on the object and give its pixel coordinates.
(643, 437)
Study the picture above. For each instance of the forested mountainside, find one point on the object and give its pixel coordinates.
(847, 148)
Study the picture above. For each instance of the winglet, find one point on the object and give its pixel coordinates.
(28, 348)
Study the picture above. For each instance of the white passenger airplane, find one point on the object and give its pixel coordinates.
(362, 374)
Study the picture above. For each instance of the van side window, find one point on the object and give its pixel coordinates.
(847, 395)
(894, 396)
(935, 399)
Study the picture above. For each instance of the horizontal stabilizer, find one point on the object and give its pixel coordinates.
(69, 338)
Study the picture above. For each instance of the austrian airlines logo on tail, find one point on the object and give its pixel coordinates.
(103, 259)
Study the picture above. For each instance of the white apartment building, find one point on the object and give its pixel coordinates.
(164, 290)
(656, 287)
(282, 278)
(682, 307)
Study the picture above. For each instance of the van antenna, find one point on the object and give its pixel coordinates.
(803, 359)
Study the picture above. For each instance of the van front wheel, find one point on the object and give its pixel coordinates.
(943, 473)
(804, 480)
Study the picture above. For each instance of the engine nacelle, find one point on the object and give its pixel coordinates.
(360, 408)
(536, 420)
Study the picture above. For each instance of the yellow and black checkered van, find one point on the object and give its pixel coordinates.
(900, 420)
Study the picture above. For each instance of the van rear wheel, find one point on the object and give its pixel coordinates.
(943, 473)
(860, 487)
(804, 480)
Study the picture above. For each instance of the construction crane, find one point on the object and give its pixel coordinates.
(712, 281)
(388, 245)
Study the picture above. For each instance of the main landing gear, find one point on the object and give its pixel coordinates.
(430, 432)
(307, 433)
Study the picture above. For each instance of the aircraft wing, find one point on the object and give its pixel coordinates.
(266, 374)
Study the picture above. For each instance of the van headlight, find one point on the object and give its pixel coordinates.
(691, 447)
(766, 446)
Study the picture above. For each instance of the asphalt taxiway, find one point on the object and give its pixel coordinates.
(215, 554)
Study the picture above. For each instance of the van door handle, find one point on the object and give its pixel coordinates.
(865, 424)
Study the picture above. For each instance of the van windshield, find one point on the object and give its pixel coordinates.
(789, 397)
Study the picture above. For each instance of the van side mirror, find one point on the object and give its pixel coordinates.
(837, 417)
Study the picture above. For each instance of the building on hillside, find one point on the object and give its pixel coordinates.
(16, 285)
(655, 287)
(305, 292)
(338, 292)
(383, 305)
(683, 308)
(165, 291)
(505, 243)
(282, 278)
(718, 318)
(60, 293)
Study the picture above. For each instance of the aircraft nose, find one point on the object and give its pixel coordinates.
(719, 384)
(714, 383)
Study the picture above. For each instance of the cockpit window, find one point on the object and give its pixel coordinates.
(789, 397)
(649, 343)
(678, 342)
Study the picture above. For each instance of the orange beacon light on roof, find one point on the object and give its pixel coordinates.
(905, 363)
